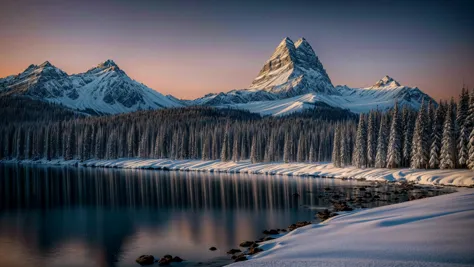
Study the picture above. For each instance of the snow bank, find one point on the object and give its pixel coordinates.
(434, 231)
(441, 177)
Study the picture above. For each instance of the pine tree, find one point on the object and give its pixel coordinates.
(225, 145)
(371, 140)
(394, 144)
(235, 149)
(407, 136)
(447, 157)
(470, 128)
(471, 150)
(360, 151)
(253, 150)
(311, 153)
(336, 156)
(381, 156)
(436, 139)
(420, 147)
(344, 150)
(287, 148)
(463, 128)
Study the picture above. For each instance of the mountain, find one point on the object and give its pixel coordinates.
(104, 89)
(292, 70)
(294, 79)
(382, 95)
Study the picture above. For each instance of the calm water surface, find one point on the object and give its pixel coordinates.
(69, 216)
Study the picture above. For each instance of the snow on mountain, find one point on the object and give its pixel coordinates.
(292, 70)
(382, 95)
(104, 89)
(294, 79)
(354, 99)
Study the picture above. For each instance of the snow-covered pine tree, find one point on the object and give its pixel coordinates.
(470, 129)
(471, 150)
(70, 144)
(436, 138)
(371, 140)
(463, 128)
(360, 151)
(420, 146)
(235, 148)
(381, 156)
(394, 145)
(447, 157)
(253, 150)
(407, 136)
(311, 153)
(300, 149)
(430, 120)
(225, 145)
(287, 148)
(336, 149)
(346, 146)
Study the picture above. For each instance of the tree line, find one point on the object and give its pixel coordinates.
(435, 136)
(187, 133)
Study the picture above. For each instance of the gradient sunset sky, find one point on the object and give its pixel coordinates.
(190, 48)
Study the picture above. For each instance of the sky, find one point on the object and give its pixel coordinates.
(191, 48)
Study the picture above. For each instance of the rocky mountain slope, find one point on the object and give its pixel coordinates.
(294, 79)
(104, 89)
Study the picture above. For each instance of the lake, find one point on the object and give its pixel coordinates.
(77, 216)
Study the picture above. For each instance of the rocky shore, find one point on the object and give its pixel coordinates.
(379, 193)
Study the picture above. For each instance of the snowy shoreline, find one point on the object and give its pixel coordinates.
(452, 177)
(434, 231)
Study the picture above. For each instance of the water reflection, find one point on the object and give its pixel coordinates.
(67, 216)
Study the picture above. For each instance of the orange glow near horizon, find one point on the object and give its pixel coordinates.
(189, 52)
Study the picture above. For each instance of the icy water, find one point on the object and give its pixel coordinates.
(75, 216)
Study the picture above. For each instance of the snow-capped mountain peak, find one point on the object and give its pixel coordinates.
(106, 66)
(385, 82)
(294, 79)
(46, 64)
(102, 89)
(293, 69)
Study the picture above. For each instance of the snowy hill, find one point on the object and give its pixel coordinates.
(421, 233)
(294, 79)
(104, 89)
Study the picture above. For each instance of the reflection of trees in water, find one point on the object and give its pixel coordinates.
(103, 208)
(48, 187)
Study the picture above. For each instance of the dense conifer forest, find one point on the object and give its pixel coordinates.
(436, 136)
(186, 133)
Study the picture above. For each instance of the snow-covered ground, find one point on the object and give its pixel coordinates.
(455, 177)
(430, 232)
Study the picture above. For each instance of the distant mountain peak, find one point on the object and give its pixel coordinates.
(293, 69)
(46, 64)
(107, 64)
(386, 81)
(286, 41)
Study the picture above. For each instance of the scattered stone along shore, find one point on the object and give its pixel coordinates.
(376, 193)
(165, 260)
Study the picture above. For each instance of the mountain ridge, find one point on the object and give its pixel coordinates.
(294, 79)
(291, 80)
(104, 89)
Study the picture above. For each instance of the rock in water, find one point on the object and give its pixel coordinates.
(145, 260)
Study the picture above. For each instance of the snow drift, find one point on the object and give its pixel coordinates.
(429, 232)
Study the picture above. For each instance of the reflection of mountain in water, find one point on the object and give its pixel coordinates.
(111, 216)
